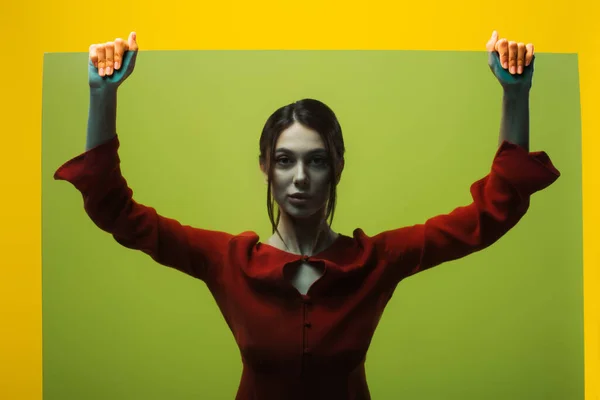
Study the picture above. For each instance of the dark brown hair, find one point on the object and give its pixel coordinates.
(314, 115)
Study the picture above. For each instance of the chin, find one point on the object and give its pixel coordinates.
(296, 212)
(302, 213)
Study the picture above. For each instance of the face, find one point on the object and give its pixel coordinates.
(300, 172)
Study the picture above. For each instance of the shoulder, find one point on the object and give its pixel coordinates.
(385, 236)
(383, 241)
(243, 241)
(246, 236)
(215, 243)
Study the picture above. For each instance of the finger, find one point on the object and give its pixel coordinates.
(110, 53)
(94, 55)
(120, 48)
(520, 57)
(101, 59)
(132, 41)
(529, 54)
(502, 49)
(491, 44)
(512, 56)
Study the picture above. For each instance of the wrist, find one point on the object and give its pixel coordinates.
(516, 93)
(103, 92)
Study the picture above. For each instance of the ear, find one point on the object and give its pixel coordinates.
(340, 168)
(263, 169)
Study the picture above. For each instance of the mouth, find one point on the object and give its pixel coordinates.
(298, 198)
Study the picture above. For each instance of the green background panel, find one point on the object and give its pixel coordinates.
(420, 128)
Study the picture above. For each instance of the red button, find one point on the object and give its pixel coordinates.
(306, 351)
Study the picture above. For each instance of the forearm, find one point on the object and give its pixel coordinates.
(514, 123)
(102, 117)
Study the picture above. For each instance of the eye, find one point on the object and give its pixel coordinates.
(283, 161)
(319, 161)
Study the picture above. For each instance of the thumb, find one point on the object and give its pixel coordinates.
(491, 44)
(132, 41)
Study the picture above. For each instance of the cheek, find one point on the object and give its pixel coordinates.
(281, 181)
(321, 180)
(321, 186)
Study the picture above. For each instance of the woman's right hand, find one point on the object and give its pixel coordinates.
(112, 62)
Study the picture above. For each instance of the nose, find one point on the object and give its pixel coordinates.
(300, 177)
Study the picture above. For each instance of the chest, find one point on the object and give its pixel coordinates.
(303, 275)
(281, 322)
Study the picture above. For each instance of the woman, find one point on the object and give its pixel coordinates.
(304, 305)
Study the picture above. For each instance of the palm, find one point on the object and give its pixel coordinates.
(118, 76)
(511, 62)
(506, 79)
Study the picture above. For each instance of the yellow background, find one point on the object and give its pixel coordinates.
(31, 28)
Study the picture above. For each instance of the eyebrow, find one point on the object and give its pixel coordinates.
(286, 150)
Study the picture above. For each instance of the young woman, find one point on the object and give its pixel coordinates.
(303, 305)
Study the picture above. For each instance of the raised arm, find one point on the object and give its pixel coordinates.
(500, 199)
(110, 64)
(108, 200)
(512, 65)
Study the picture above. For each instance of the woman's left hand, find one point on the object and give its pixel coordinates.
(511, 62)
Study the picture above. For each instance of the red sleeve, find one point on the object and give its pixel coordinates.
(500, 200)
(109, 203)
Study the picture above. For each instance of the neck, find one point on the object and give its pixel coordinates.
(307, 236)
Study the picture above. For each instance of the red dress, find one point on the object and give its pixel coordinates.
(310, 346)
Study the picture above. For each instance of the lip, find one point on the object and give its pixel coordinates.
(298, 199)
(299, 196)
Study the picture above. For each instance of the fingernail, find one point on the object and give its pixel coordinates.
(520, 70)
(505, 65)
(117, 65)
(513, 70)
(101, 72)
